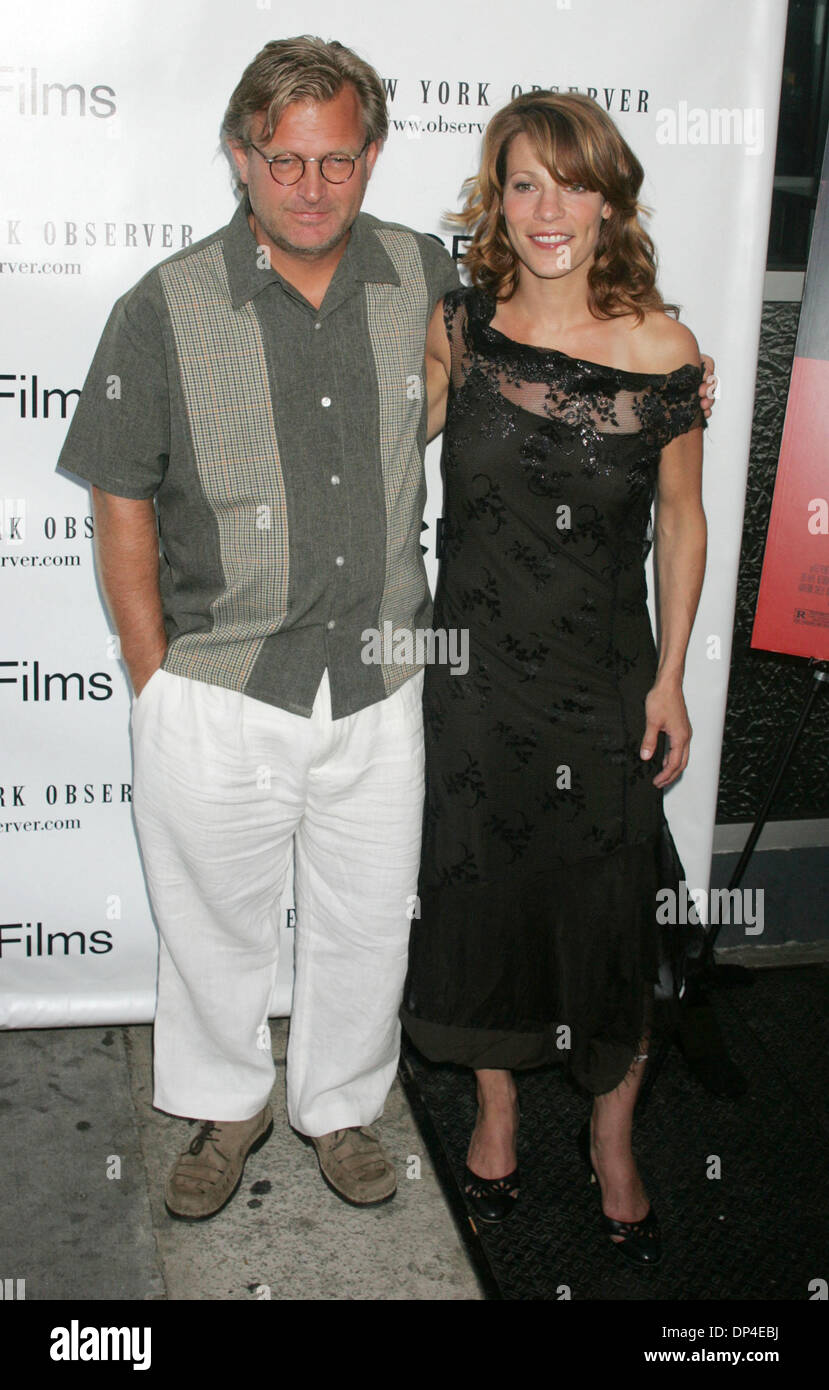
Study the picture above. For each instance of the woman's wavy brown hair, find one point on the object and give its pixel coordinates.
(577, 143)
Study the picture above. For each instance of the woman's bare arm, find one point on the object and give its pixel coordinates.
(680, 545)
(438, 365)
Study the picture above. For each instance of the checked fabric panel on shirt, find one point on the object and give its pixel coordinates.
(397, 344)
(228, 399)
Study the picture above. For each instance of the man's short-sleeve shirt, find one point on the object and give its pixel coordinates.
(284, 446)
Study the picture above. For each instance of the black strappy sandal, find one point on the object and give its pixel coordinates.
(491, 1199)
(640, 1244)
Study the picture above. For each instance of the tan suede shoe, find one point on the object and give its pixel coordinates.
(356, 1166)
(205, 1176)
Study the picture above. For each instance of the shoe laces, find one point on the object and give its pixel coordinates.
(204, 1135)
(362, 1157)
(341, 1135)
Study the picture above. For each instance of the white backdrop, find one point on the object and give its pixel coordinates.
(109, 117)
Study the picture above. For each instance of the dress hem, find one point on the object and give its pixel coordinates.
(511, 1050)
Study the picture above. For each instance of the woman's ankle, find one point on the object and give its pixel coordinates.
(492, 1150)
(496, 1090)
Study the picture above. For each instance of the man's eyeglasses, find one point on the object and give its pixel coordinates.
(289, 168)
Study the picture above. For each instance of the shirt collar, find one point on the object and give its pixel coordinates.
(365, 258)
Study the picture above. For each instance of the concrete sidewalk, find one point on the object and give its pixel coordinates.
(84, 1157)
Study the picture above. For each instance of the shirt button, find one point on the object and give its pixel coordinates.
(340, 559)
(330, 624)
(335, 479)
(326, 401)
(318, 325)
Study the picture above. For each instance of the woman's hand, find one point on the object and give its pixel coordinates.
(665, 712)
(709, 385)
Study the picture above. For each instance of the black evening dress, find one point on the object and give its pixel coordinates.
(537, 938)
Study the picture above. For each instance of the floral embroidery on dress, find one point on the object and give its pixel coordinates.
(541, 826)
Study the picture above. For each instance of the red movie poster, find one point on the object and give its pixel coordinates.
(793, 603)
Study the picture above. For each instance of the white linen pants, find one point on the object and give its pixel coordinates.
(222, 784)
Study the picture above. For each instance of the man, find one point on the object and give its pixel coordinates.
(269, 421)
(272, 402)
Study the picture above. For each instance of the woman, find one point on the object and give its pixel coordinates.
(573, 399)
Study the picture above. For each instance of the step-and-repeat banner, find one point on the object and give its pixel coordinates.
(110, 162)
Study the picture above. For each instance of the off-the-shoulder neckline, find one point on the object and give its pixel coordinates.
(485, 324)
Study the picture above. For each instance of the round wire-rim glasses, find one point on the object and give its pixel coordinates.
(335, 168)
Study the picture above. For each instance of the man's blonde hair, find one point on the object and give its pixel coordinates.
(302, 69)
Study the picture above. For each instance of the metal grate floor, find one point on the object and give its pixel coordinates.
(757, 1232)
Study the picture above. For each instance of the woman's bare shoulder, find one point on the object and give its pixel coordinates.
(664, 344)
